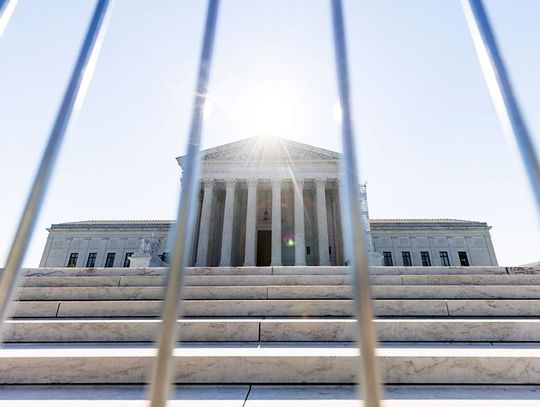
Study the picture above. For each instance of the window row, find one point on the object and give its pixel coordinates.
(444, 259)
(109, 259)
(91, 259)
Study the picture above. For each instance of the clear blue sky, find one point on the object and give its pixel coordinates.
(431, 145)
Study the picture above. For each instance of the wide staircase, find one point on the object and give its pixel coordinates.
(276, 325)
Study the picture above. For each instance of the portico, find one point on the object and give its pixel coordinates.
(268, 201)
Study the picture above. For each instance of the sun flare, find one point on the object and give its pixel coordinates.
(270, 109)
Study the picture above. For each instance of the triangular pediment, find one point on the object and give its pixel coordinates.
(268, 149)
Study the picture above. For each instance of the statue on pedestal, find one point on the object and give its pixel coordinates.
(150, 246)
(147, 256)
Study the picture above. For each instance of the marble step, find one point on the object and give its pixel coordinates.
(282, 270)
(264, 280)
(269, 396)
(274, 330)
(277, 308)
(280, 292)
(271, 363)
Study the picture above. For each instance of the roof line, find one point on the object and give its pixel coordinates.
(223, 147)
(171, 221)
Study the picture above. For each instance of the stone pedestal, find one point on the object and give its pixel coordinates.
(374, 259)
(145, 260)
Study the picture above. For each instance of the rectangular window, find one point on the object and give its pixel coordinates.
(425, 259)
(308, 250)
(445, 261)
(126, 259)
(406, 256)
(91, 262)
(387, 256)
(109, 262)
(463, 260)
(72, 262)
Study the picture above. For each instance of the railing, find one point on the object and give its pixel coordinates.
(502, 95)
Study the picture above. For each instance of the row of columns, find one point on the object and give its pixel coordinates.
(251, 223)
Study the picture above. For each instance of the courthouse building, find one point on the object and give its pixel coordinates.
(271, 201)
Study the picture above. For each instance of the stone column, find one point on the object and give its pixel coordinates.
(322, 222)
(84, 251)
(416, 259)
(468, 245)
(299, 233)
(435, 256)
(100, 258)
(454, 258)
(204, 229)
(228, 215)
(251, 223)
(491, 249)
(123, 252)
(396, 256)
(336, 214)
(276, 222)
(66, 257)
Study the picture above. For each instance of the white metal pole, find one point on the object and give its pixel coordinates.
(160, 382)
(502, 93)
(368, 372)
(7, 7)
(80, 78)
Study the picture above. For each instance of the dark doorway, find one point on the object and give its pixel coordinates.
(264, 247)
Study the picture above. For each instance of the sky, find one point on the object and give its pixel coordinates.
(428, 139)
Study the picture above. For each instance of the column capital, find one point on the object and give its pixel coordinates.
(299, 182)
(335, 187)
(320, 182)
(276, 182)
(208, 183)
(230, 183)
(252, 182)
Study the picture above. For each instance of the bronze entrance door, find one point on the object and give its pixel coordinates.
(264, 247)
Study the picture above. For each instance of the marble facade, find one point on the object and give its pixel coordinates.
(269, 201)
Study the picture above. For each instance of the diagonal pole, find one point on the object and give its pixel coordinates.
(502, 94)
(160, 383)
(7, 7)
(80, 77)
(368, 372)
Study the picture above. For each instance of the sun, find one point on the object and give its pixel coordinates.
(271, 109)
